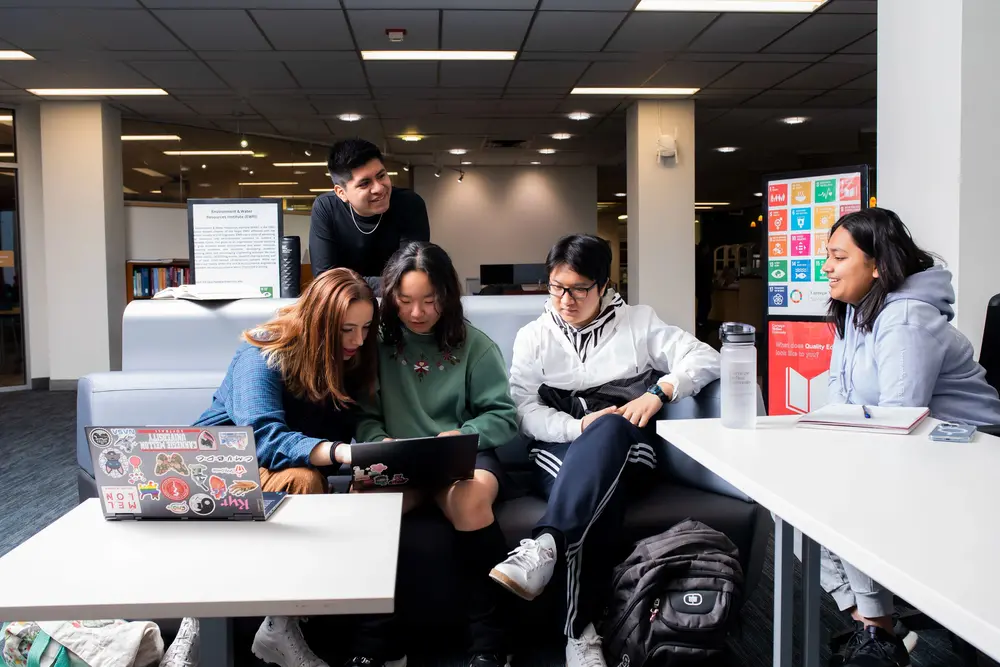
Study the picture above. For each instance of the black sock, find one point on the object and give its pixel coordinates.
(486, 602)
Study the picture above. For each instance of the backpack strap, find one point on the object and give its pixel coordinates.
(38, 649)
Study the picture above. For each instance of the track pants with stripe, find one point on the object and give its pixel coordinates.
(588, 484)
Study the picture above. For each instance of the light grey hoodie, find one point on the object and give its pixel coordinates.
(913, 357)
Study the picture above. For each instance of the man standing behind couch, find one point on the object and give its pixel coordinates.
(587, 377)
(364, 220)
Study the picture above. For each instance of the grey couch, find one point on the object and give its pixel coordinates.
(176, 353)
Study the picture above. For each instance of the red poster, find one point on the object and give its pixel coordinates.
(798, 366)
(777, 195)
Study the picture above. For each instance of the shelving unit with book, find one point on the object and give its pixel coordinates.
(146, 277)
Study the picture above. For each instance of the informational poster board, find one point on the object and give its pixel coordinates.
(799, 366)
(235, 242)
(801, 209)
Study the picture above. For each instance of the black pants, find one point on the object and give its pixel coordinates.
(588, 484)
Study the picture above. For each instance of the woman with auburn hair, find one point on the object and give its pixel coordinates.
(295, 380)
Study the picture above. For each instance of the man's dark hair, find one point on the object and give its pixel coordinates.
(588, 255)
(449, 332)
(349, 154)
(884, 239)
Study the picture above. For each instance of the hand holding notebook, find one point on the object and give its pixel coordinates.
(865, 418)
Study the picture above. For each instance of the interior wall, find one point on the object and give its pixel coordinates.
(506, 215)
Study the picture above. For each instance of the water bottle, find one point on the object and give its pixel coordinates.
(739, 375)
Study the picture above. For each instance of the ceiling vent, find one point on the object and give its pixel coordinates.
(506, 143)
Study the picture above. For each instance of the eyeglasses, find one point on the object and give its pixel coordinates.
(576, 293)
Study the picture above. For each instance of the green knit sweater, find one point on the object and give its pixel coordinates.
(424, 391)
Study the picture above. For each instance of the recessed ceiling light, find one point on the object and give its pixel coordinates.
(350, 117)
(183, 153)
(562, 136)
(204, 166)
(546, 151)
(204, 185)
(149, 172)
(411, 137)
(466, 162)
(288, 196)
(727, 149)
(795, 120)
(438, 55)
(299, 172)
(758, 194)
(458, 151)
(621, 194)
(183, 168)
(703, 208)
(15, 55)
(729, 5)
(270, 183)
(623, 217)
(639, 92)
(711, 203)
(320, 189)
(156, 192)
(578, 115)
(95, 92)
(146, 137)
(535, 162)
(392, 173)
(300, 164)
(251, 172)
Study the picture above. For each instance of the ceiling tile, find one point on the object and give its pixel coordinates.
(776, 99)
(825, 33)
(854, 59)
(301, 127)
(689, 74)
(305, 29)
(851, 6)
(370, 25)
(329, 105)
(282, 106)
(752, 57)
(603, 5)
(535, 107)
(440, 4)
(248, 125)
(659, 31)
(461, 74)
(825, 75)
(484, 30)
(41, 4)
(257, 75)
(572, 31)
(93, 29)
(866, 82)
(867, 44)
(744, 33)
(159, 107)
(404, 108)
(236, 4)
(619, 74)
(593, 105)
(219, 106)
(73, 74)
(546, 74)
(841, 98)
(214, 29)
(328, 74)
(389, 74)
(169, 74)
(758, 75)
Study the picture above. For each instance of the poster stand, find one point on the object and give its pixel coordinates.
(799, 210)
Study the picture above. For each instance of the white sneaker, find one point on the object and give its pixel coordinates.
(585, 651)
(527, 570)
(279, 641)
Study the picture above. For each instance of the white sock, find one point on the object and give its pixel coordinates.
(546, 541)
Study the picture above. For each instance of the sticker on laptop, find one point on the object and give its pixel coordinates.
(199, 475)
(202, 504)
(170, 462)
(217, 487)
(239, 471)
(206, 442)
(113, 463)
(168, 439)
(100, 437)
(175, 488)
(178, 508)
(241, 487)
(222, 458)
(149, 491)
(121, 499)
(124, 439)
(236, 503)
(137, 475)
(234, 439)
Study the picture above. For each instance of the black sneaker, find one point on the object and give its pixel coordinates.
(874, 647)
(489, 660)
(908, 637)
(364, 661)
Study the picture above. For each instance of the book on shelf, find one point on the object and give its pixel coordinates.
(148, 280)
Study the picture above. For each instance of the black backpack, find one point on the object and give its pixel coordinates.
(674, 599)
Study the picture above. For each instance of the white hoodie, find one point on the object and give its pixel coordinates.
(632, 342)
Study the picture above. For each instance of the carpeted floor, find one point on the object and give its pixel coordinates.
(38, 484)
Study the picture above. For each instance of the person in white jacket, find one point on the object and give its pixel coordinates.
(572, 373)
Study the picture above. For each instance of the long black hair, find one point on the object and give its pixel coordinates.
(884, 239)
(449, 332)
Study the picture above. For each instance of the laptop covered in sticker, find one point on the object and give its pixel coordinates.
(179, 472)
(427, 463)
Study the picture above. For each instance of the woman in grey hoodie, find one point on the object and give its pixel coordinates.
(891, 307)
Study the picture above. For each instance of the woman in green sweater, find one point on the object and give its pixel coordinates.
(439, 375)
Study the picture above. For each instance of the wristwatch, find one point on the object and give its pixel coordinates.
(657, 391)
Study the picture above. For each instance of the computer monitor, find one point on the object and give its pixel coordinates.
(530, 274)
(496, 274)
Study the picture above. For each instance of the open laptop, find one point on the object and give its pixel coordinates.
(179, 472)
(429, 463)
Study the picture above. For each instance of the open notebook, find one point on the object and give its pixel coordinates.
(212, 292)
(852, 417)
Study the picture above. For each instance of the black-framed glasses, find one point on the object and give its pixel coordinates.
(576, 293)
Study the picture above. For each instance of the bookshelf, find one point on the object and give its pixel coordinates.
(144, 278)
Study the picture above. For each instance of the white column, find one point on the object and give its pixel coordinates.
(661, 211)
(84, 237)
(938, 139)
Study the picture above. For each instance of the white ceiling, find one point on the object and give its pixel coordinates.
(288, 67)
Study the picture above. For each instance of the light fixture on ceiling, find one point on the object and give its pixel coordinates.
(458, 151)
(299, 172)
(461, 175)
(546, 151)
(95, 92)
(795, 120)
(535, 162)
(411, 137)
(578, 115)
(621, 194)
(204, 185)
(320, 189)
(392, 173)
(183, 153)
(703, 208)
(244, 143)
(6, 155)
(145, 137)
(308, 153)
(269, 183)
(299, 164)
(149, 172)
(288, 196)
(184, 168)
(9, 118)
(350, 117)
(727, 149)
(406, 167)
(156, 192)
(636, 92)
(204, 166)
(250, 172)
(805, 6)
(758, 194)
(562, 136)
(437, 174)
(466, 163)
(438, 55)
(711, 203)
(623, 217)
(15, 55)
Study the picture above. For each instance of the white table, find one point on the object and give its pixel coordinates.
(316, 555)
(931, 535)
